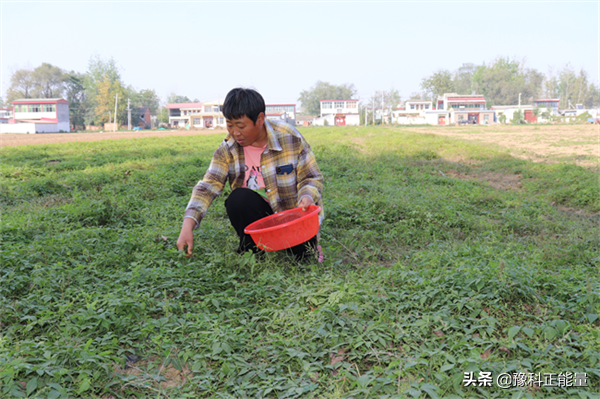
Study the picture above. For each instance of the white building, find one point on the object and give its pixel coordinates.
(413, 112)
(5, 114)
(209, 114)
(338, 113)
(179, 113)
(38, 115)
(508, 111)
(284, 112)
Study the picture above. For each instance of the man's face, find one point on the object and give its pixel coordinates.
(246, 132)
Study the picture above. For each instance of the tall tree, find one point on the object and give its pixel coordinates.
(503, 80)
(105, 101)
(76, 96)
(21, 85)
(592, 99)
(163, 114)
(462, 81)
(574, 88)
(147, 98)
(385, 98)
(100, 69)
(437, 84)
(550, 85)
(177, 99)
(100, 74)
(310, 99)
(48, 81)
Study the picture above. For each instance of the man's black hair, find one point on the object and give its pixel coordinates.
(243, 102)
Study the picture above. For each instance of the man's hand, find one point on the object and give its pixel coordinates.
(186, 237)
(305, 202)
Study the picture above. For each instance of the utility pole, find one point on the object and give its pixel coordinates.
(519, 100)
(382, 107)
(128, 115)
(115, 124)
(373, 109)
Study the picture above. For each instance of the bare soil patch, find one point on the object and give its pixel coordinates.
(149, 373)
(498, 181)
(12, 140)
(578, 144)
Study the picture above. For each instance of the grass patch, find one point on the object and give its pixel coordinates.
(442, 257)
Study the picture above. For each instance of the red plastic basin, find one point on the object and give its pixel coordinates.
(285, 229)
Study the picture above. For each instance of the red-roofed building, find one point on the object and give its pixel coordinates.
(179, 113)
(38, 115)
(461, 108)
(450, 101)
(552, 103)
(203, 115)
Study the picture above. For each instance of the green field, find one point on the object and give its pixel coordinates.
(442, 257)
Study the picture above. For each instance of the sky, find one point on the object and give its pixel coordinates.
(280, 48)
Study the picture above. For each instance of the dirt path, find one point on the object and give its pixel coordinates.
(12, 140)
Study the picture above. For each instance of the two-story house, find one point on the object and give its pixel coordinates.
(38, 115)
(210, 114)
(338, 113)
(463, 108)
(412, 112)
(179, 113)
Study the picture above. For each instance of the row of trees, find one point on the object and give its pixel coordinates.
(503, 79)
(500, 82)
(91, 94)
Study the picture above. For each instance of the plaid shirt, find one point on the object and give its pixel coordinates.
(287, 151)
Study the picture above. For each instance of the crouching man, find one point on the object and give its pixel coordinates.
(270, 168)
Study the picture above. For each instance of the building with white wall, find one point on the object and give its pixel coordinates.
(450, 101)
(284, 112)
(208, 115)
(549, 104)
(38, 115)
(338, 113)
(412, 112)
(179, 113)
(508, 111)
(5, 114)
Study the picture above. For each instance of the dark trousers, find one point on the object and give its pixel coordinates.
(244, 207)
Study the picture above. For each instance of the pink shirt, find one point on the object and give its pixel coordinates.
(254, 178)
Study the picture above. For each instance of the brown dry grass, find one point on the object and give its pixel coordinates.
(579, 144)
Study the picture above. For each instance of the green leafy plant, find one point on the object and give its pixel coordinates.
(431, 269)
